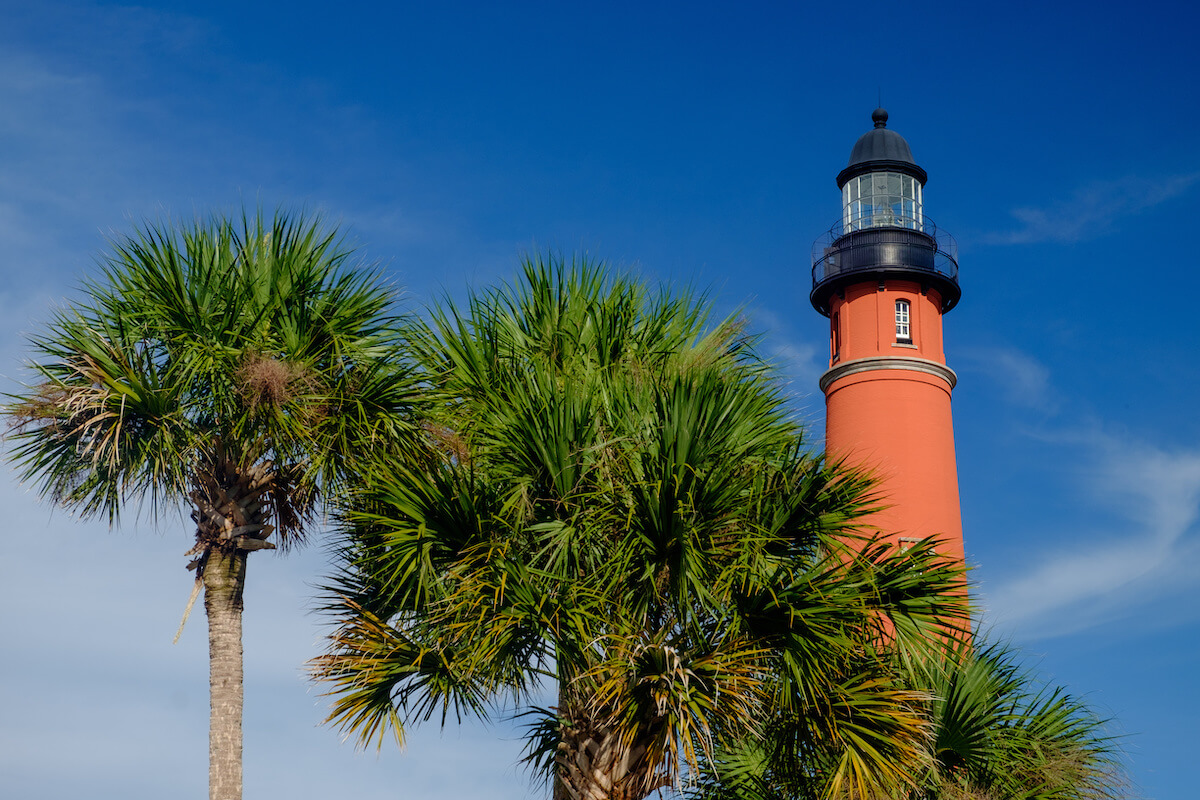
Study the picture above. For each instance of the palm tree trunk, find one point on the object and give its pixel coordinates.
(224, 579)
(595, 763)
(600, 766)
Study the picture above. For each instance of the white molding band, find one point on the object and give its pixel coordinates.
(888, 362)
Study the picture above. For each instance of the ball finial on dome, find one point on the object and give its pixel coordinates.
(879, 117)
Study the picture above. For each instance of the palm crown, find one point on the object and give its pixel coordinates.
(248, 344)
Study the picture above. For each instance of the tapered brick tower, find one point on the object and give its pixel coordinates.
(885, 275)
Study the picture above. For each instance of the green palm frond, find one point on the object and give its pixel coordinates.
(382, 675)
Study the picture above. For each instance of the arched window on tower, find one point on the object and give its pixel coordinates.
(903, 322)
(835, 338)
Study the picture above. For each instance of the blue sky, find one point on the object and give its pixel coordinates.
(695, 144)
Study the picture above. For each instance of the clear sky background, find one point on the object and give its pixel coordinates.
(694, 143)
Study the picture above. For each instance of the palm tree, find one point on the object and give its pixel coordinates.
(622, 510)
(997, 734)
(1001, 735)
(236, 367)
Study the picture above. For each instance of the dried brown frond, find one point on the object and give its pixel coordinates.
(86, 411)
(292, 500)
(448, 441)
(55, 400)
(227, 499)
(266, 380)
(44, 408)
(235, 503)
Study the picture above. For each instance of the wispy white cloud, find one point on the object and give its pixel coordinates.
(1022, 379)
(1147, 553)
(801, 362)
(93, 145)
(1092, 210)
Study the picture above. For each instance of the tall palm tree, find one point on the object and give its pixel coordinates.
(622, 510)
(239, 367)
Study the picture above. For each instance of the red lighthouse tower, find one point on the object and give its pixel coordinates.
(885, 276)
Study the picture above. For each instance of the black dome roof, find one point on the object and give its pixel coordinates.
(880, 149)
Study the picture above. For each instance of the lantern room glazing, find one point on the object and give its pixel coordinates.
(882, 199)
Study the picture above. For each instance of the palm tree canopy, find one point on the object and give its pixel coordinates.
(622, 507)
(1000, 733)
(255, 341)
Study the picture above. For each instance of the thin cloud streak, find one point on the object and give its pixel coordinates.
(801, 362)
(1109, 573)
(1024, 381)
(1093, 210)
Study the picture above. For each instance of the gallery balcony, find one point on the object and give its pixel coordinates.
(873, 248)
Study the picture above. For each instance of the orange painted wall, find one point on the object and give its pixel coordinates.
(866, 319)
(896, 422)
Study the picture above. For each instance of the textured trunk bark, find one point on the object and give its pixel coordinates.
(602, 767)
(224, 579)
(558, 784)
(594, 763)
(231, 509)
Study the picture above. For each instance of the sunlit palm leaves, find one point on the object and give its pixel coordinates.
(622, 509)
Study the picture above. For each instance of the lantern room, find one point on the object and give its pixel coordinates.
(883, 232)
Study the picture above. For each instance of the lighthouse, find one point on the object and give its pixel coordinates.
(885, 275)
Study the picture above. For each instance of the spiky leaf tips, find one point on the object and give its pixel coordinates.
(241, 367)
(621, 511)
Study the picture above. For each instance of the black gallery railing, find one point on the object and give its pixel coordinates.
(903, 243)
